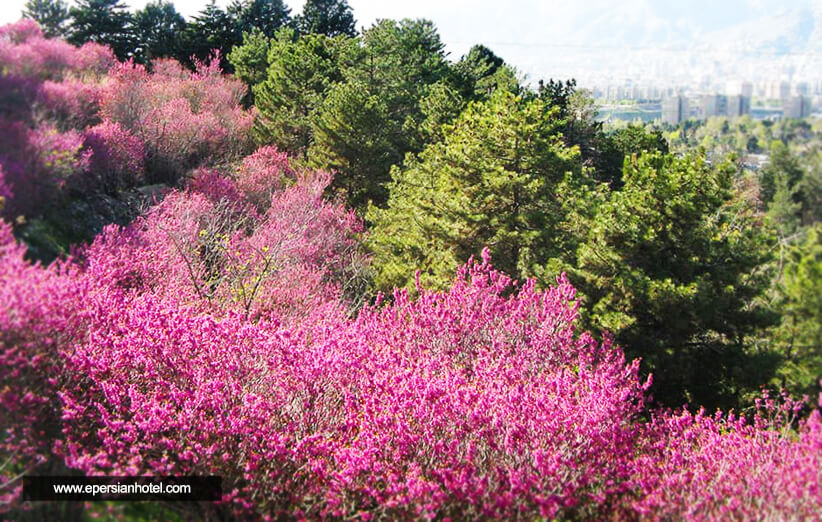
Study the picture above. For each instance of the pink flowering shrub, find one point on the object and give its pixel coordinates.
(37, 323)
(127, 96)
(117, 157)
(20, 31)
(25, 52)
(432, 407)
(720, 467)
(71, 103)
(159, 253)
(94, 59)
(179, 139)
(263, 173)
(17, 95)
(215, 186)
(49, 92)
(61, 153)
(185, 119)
(38, 163)
(301, 229)
(208, 248)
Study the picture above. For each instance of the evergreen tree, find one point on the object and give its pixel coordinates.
(810, 189)
(440, 106)
(783, 210)
(614, 147)
(355, 137)
(52, 15)
(266, 15)
(577, 110)
(250, 60)
(782, 162)
(103, 21)
(300, 71)
(396, 67)
(799, 337)
(669, 265)
(400, 60)
(480, 72)
(209, 30)
(492, 180)
(329, 17)
(158, 29)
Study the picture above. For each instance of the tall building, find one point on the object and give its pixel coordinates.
(674, 109)
(784, 90)
(779, 90)
(713, 105)
(738, 105)
(745, 88)
(796, 107)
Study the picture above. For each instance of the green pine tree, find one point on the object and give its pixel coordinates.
(158, 30)
(670, 264)
(266, 15)
(211, 29)
(799, 336)
(492, 180)
(103, 21)
(300, 72)
(328, 17)
(52, 15)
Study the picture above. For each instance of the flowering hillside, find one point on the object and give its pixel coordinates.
(228, 330)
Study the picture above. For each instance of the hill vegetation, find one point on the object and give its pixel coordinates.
(356, 279)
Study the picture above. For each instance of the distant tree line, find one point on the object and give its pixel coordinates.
(159, 31)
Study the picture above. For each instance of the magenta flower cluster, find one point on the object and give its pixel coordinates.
(186, 119)
(152, 353)
(134, 125)
(117, 158)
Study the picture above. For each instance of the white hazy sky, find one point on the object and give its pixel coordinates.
(530, 34)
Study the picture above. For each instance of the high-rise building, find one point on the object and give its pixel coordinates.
(779, 90)
(796, 107)
(738, 105)
(784, 90)
(713, 105)
(674, 109)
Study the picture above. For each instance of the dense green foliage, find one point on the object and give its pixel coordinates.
(102, 21)
(266, 15)
(52, 15)
(210, 29)
(491, 181)
(799, 296)
(669, 265)
(328, 17)
(157, 28)
(299, 72)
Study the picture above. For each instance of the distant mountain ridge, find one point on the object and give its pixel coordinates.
(703, 24)
(753, 39)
